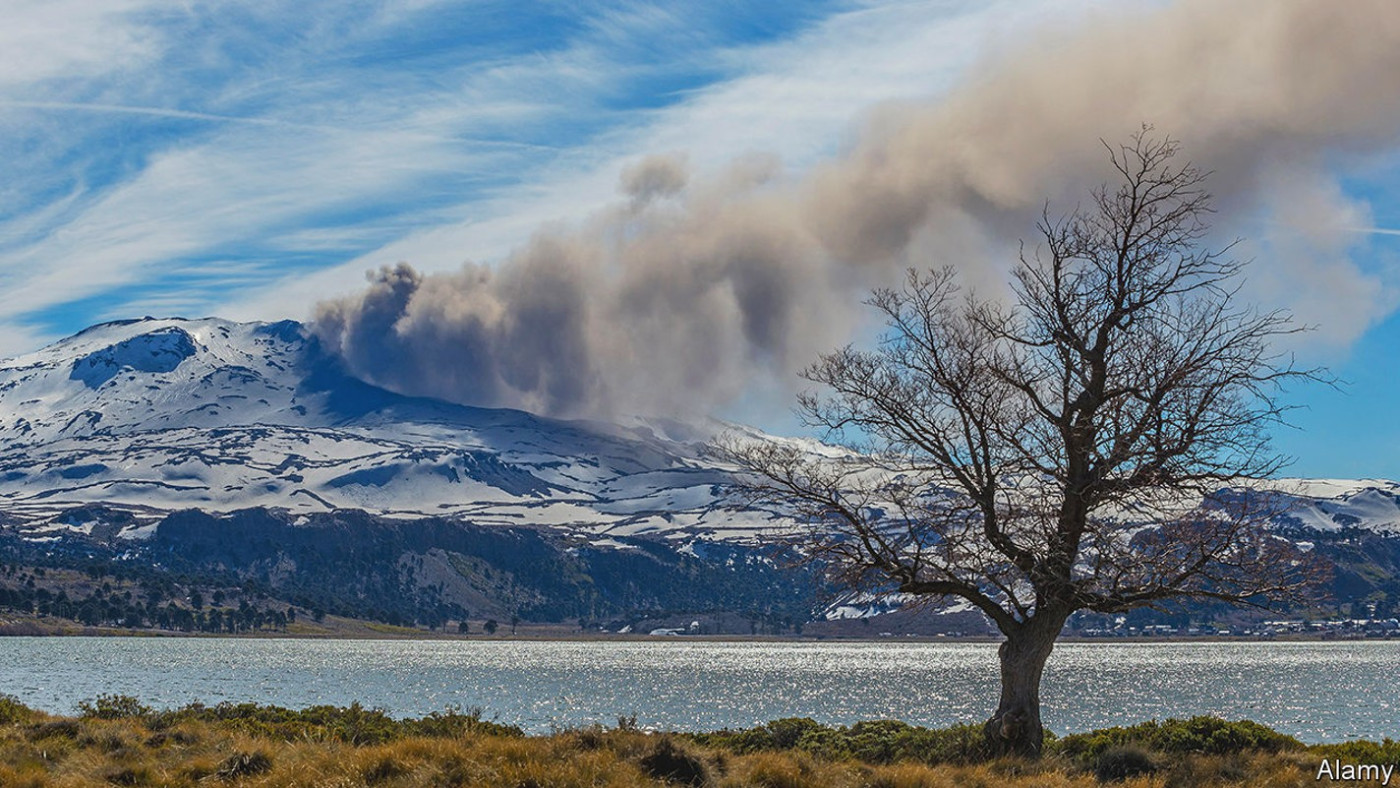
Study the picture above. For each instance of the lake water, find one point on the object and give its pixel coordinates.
(1315, 691)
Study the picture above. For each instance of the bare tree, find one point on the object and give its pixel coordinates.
(1071, 447)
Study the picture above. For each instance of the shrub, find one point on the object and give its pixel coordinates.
(113, 707)
(785, 734)
(877, 741)
(353, 724)
(891, 741)
(60, 729)
(1204, 735)
(454, 723)
(1361, 751)
(1121, 763)
(671, 762)
(12, 711)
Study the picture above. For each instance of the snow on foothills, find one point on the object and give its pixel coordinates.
(1333, 504)
(161, 415)
(152, 416)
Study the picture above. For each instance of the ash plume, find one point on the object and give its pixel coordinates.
(692, 291)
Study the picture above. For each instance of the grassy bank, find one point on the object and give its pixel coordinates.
(117, 741)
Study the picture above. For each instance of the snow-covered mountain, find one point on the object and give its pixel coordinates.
(158, 415)
(207, 447)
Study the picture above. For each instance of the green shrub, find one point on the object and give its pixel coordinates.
(1204, 735)
(1361, 751)
(113, 707)
(454, 723)
(879, 741)
(960, 744)
(353, 724)
(784, 734)
(12, 711)
(876, 741)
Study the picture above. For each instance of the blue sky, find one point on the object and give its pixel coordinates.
(249, 159)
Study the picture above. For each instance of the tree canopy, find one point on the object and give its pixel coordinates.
(1079, 444)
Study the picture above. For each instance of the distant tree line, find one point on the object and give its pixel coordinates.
(104, 607)
(197, 569)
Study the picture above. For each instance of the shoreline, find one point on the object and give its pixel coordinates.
(338, 628)
(552, 635)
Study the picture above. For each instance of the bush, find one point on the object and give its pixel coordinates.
(785, 734)
(353, 724)
(1361, 751)
(12, 711)
(1203, 735)
(890, 741)
(880, 741)
(671, 762)
(59, 729)
(1121, 763)
(113, 707)
(454, 723)
(877, 741)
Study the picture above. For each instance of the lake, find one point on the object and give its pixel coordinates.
(1315, 691)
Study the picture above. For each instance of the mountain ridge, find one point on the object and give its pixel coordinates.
(167, 414)
(226, 451)
(163, 414)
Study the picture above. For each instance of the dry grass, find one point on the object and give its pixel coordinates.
(154, 749)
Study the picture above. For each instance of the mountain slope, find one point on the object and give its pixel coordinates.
(232, 451)
(162, 415)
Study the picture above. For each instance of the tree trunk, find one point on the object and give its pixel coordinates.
(1015, 728)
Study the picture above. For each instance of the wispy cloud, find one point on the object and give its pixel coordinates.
(280, 123)
(294, 146)
(157, 112)
(282, 139)
(693, 287)
(799, 97)
(44, 40)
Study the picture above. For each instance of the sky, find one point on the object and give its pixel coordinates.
(254, 160)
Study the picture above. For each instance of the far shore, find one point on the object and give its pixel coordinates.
(335, 628)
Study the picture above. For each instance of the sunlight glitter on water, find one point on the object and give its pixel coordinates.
(1316, 691)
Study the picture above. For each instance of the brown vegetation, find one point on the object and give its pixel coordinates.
(117, 741)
